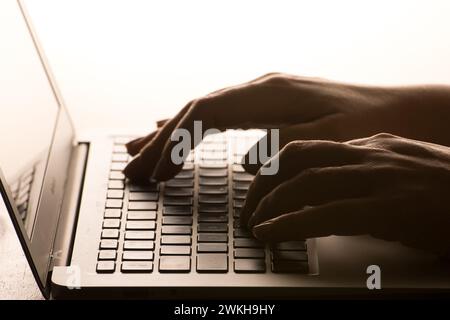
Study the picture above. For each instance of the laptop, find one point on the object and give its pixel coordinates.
(89, 232)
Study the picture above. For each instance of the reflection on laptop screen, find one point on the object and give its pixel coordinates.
(28, 114)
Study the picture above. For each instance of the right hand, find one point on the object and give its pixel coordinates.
(302, 108)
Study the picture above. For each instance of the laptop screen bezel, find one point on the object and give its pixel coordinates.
(38, 249)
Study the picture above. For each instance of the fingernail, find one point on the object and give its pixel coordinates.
(260, 230)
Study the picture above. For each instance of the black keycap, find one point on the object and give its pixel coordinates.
(143, 196)
(238, 203)
(213, 208)
(137, 266)
(150, 187)
(175, 250)
(138, 255)
(107, 255)
(179, 192)
(212, 247)
(242, 233)
(110, 234)
(213, 173)
(239, 194)
(213, 218)
(212, 263)
(290, 267)
(177, 211)
(291, 245)
(176, 240)
(236, 213)
(141, 215)
(213, 199)
(187, 221)
(139, 235)
(116, 184)
(180, 183)
(243, 177)
(174, 264)
(185, 174)
(115, 194)
(212, 227)
(142, 205)
(213, 181)
(111, 223)
(116, 175)
(241, 185)
(212, 237)
(290, 255)
(213, 190)
(174, 230)
(249, 253)
(177, 201)
(140, 225)
(106, 266)
(138, 245)
(113, 213)
(249, 265)
(247, 243)
(114, 204)
(109, 244)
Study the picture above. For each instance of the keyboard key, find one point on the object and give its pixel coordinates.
(174, 230)
(138, 245)
(178, 201)
(139, 235)
(175, 250)
(107, 255)
(106, 266)
(177, 211)
(291, 245)
(213, 190)
(115, 194)
(143, 196)
(243, 177)
(140, 225)
(238, 203)
(188, 166)
(213, 173)
(110, 234)
(109, 244)
(185, 174)
(118, 166)
(111, 224)
(120, 157)
(249, 253)
(187, 221)
(176, 240)
(242, 233)
(116, 175)
(241, 185)
(180, 183)
(212, 247)
(174, 264)
(247, 243)
(290, 255)
(122, 140)
(179, 192)
(212, 237)
(116, 184)
(212, 227)
(239, 194)
(138, 255)
(213, 218)
(249, 265)
(137, 266)
(150, 187)
(113, 213)
(290, 266)
(141, 215)
(238, 168)
(213, 199)
(213, 165)
(142, 205)
(114, 204)
(212, 263)
(119, 148)
(213, 181)
(214, 156)
(213, 208)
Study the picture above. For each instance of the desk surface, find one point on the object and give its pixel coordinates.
(142, 60)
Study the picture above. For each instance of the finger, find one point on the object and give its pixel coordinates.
(292, 160)
(134, 146)
(322, 129)
(317, 186)
(346, 217)
(142, 166)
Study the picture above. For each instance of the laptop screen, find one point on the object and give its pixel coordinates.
(28, 114)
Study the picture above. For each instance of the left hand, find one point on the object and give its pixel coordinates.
(386, 186)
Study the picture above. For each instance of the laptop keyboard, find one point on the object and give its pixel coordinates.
(191, 222)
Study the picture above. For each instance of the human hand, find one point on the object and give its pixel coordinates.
(386, 186)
